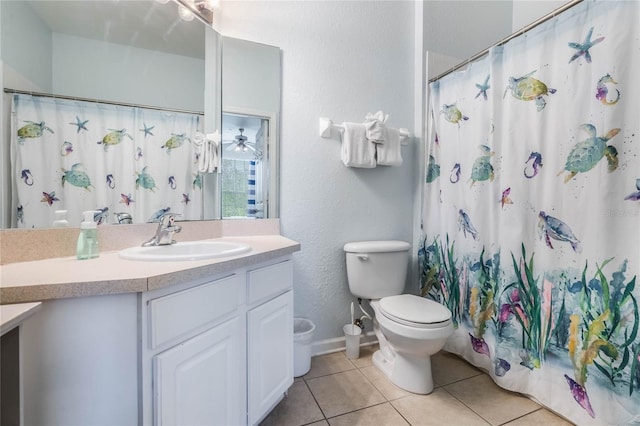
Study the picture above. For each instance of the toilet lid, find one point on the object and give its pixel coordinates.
(414, 309)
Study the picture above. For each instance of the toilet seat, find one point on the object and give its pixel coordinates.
(415, 311)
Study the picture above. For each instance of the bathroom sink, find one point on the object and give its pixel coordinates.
(188, 250)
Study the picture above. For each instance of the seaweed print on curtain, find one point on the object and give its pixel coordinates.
(531, 212)
(78, 156)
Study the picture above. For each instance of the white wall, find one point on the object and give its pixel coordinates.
(464, 28)
(97, 362)
(107, 71)
(31, 66)
(528, 11)
(252, 76)
(340, 60)
(24, 69)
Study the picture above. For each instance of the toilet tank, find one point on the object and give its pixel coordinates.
(377, 269)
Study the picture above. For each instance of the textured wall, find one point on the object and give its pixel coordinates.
(340, 60)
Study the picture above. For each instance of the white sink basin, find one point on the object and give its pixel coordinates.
(188, 250)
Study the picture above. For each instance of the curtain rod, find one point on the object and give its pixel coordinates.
(74, 98)
(534, 24)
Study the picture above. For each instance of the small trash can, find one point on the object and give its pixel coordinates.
(352, 340)
(302, 334)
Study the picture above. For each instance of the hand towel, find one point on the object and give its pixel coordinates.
(357, 151)
(375, 124)
(208, 161)
(389, 153)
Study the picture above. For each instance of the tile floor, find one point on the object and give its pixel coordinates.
(338, 391)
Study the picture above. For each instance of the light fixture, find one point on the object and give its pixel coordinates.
(240, 147)
(185, 13)
(203, 9)
(241, 142)
(211, 4)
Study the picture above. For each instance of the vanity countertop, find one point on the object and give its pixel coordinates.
(12, 315)
(65, 277)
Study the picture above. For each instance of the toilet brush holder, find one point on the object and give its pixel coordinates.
(352, 340)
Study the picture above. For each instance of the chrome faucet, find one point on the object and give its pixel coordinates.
(123, 217)
(165, 231)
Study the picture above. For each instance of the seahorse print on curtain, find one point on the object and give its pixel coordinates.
(76, 156)
(532, 207)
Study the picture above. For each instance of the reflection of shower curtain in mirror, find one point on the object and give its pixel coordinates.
(251, 190)
(532, 208)
(78, 156)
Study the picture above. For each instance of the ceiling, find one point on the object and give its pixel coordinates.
(145, 24)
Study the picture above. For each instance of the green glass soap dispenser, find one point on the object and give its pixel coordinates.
(87, 247)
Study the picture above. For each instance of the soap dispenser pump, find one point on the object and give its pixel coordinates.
(87, 247)
(61, 219)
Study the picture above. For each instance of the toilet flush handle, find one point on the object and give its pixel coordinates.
(362, 256)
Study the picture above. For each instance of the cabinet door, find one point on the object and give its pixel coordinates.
(200, 381)
(270, 354)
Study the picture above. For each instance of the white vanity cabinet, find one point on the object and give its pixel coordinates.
(269, 337)
(195, 344)
(123, 342)
(196, 382)
(218, 352)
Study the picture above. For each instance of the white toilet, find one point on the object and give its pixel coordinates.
(409, 328)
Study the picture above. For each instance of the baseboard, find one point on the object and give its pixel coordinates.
(338, 344)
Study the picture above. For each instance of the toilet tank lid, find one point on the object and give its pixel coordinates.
(376, 246)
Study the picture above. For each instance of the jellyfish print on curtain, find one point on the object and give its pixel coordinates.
(532, 208)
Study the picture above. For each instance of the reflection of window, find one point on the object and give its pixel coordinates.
(234, 187)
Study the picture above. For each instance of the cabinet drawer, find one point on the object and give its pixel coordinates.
(269, 281)
(181, 313)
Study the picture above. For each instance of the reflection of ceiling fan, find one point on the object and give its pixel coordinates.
(240, 143)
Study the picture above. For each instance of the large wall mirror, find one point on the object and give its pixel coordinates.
(251, 73)
(138, 96)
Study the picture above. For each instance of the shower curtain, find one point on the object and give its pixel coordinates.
(531, 210)
(76, 156)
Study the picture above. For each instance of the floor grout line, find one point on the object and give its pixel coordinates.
(461, 380)
(519, 417)
(364, 364)
(478, 414)
(463, 403)
(315, 400)
(355, 411)
(403, 417)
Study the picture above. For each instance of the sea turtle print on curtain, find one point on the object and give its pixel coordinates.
(537, 256)
(77, 156)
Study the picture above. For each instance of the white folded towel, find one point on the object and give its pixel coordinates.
(357, 151)
(375, 124)
(389, 153)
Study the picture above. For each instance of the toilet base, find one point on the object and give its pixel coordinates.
(407, 372)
